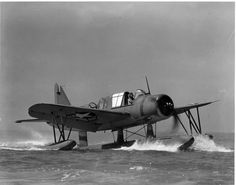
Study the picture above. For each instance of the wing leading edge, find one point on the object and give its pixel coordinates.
(76, 117)
(30, 120)
(180, 110)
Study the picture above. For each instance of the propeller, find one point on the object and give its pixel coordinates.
(175, 124)
(166, 108)
(149, 92)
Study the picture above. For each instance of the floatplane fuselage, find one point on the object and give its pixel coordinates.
(118, 112)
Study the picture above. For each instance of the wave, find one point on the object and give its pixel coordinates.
(201, 143)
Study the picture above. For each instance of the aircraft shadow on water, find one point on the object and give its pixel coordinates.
(118, 112)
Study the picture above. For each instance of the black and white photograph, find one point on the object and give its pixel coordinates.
(113, 93)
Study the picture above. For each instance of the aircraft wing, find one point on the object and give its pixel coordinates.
(75, 117)
(29, 120)
(180, 110)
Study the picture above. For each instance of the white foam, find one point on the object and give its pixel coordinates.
(36, 142)
(204, 143)
(65, 176)
(201, 143)
(137, 168)
(152, 145)
(23, 145)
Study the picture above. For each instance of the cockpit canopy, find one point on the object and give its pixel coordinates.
(119, 99)
(125, 98)
(139, 92)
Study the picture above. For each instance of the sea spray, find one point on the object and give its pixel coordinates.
(23, 145)
(156, 145)
(204, 143)
(35, 142)
(201, 143)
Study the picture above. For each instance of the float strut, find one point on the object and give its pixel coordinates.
(194, 122)
(120, 136)
(113, 137)
(191, 123)
(150, 133)
(199, 122)
(69, 134)
(54, 133)
(135, 133)
(155, 129)
(61, 133)
(182, 125)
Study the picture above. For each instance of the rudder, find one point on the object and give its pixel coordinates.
(60, 95)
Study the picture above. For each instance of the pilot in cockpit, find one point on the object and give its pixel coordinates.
(130, 98)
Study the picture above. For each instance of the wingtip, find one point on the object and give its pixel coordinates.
(214, 101)
(210, 102)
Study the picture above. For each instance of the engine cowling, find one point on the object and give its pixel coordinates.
(165, 105)
(160, 105)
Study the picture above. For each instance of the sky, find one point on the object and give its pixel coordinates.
(97, 49)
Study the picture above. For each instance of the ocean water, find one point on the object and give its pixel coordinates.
(208, 162)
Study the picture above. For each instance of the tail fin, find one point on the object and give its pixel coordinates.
(60, 95)
(61, 98)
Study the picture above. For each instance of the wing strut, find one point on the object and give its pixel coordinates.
(194, 124)
(61, 129)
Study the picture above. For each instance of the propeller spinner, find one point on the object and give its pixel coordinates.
(165, 105)
(166, 108)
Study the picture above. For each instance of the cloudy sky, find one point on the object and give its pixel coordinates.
(96, 49)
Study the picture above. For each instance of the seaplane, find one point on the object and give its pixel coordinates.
(116, 113)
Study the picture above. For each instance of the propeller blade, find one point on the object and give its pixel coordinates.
(149, 92)
(175, 125)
